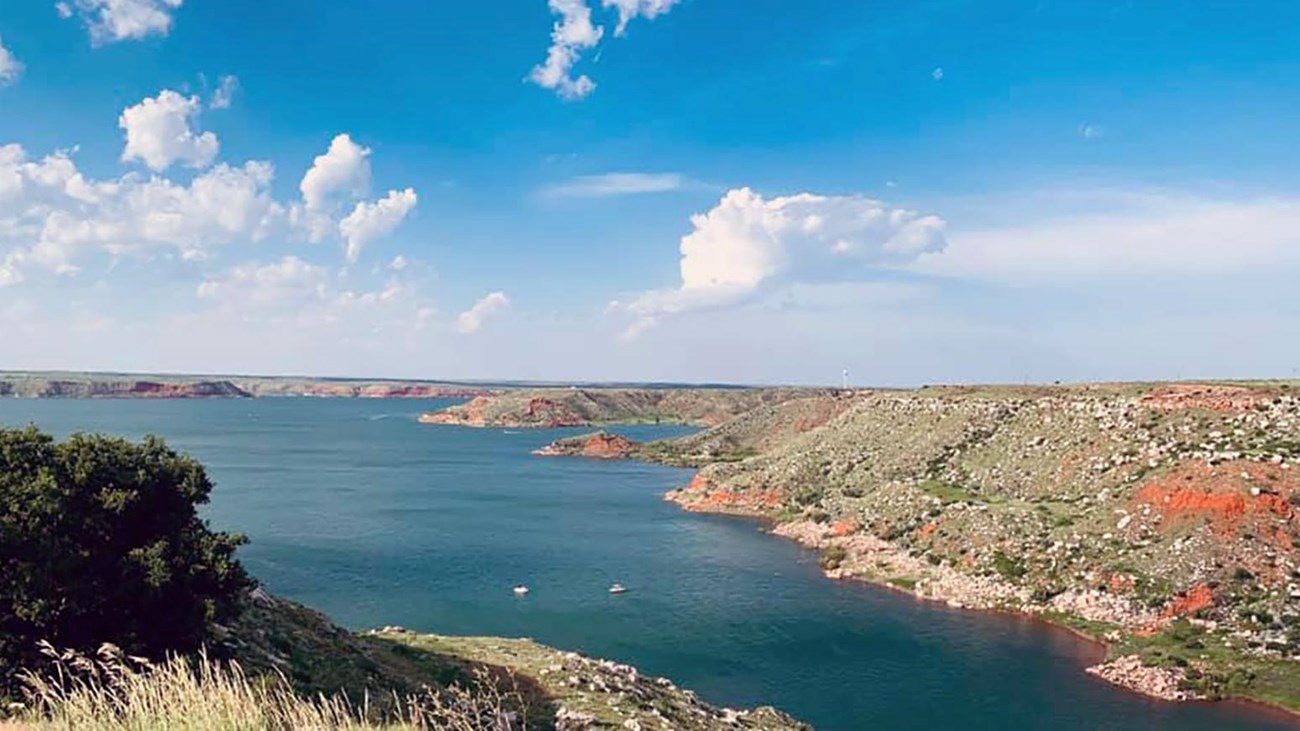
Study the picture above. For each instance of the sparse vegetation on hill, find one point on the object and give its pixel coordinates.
(1161, 518)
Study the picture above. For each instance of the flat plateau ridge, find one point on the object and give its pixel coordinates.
(133, 386)
(1161, 519)
(565, 407)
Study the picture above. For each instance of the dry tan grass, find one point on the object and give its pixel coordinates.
(116, 693)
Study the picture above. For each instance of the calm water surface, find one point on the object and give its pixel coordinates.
(355, 509)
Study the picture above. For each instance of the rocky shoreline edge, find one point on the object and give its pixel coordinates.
(847, 554)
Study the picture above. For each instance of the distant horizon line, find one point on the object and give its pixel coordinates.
(589, 383)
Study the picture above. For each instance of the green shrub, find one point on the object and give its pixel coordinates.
(101, 543)
(1008, 567)
(833, 557)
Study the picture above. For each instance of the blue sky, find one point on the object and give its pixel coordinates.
(711, 190)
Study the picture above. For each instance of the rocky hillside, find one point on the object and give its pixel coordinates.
(1163, 519)
(565, 691)
(548, 408)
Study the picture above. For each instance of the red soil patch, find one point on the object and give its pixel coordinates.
(1221, 494)
(472, 413)
(599, 446)
(553, 413)
(702, 497)
(607, 446)
(1192, 601)
(1120, 583)
(927, 530)
(845, 527)
(1195, 396)
(727, 498)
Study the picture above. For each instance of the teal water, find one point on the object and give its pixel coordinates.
(355, 509)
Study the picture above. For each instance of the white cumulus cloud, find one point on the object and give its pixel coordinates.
(371, 221)
(10, 67)
(471, 321)
(110, 21)
(748, 244)
(53, 217)
(343, 170)
(163, 130)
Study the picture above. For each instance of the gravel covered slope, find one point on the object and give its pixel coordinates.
(1162, 518)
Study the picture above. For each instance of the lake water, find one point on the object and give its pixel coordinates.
(356, 509)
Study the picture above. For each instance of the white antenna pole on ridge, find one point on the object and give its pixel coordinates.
(846, 379)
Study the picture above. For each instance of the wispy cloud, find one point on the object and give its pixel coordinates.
(1126, 236)
(615, 184)
(10, 67)
(224, 95)
(1090, 131)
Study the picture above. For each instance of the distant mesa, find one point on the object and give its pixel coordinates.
(136, 389)
(122, 386)
(579, 407)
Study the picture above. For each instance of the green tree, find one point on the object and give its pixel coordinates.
(100, 542)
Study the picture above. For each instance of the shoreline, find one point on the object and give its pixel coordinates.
(769, 526)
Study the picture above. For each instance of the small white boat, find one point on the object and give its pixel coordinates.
(520, 590)
(618, 589)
